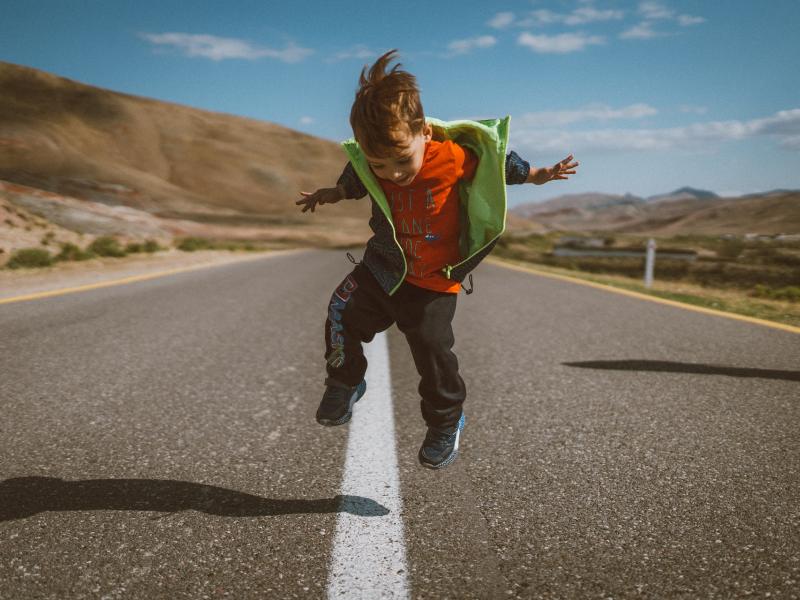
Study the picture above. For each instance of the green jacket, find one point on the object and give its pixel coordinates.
(483, 202)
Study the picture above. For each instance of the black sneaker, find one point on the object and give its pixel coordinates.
(440, 447)
(336, 406)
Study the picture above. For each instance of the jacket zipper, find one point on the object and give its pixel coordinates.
(447, 269)
(387, 215)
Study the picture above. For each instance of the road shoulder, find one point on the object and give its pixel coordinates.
(587, 281)
(23, 283)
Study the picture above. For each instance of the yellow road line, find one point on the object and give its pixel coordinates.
(609, 288)
(125, 280)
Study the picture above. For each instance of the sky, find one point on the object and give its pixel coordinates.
(649, 96)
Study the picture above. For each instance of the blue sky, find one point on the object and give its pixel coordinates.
(648, 95)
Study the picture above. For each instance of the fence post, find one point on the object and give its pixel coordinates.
(650, 263)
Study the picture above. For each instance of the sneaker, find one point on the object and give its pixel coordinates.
(440, 447)
(336, 406)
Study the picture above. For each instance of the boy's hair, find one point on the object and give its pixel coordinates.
(383, 102)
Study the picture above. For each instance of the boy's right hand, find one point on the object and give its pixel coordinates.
(321, 196)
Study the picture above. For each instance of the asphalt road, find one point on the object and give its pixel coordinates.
(158, 440)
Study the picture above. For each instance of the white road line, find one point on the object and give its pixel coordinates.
(369, 555)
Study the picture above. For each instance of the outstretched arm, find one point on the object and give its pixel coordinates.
(348, 186)
(321, 196)
(560, 170)
(520, 171)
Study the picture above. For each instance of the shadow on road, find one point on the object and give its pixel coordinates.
(22, 497)
(679, 367)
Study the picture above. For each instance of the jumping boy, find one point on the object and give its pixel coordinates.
(438, 208)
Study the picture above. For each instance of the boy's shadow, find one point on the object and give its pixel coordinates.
(22, 497)
(680, 367)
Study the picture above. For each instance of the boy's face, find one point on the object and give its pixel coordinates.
(405, 159)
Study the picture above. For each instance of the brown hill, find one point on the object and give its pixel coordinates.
(769, 213)
(574, 204)
(168, 160)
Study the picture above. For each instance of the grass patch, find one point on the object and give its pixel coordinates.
(789, 293)
(148, 246)
(758, 268)
(726, 300)
(151, 246)
(192, 244)
(107, 246)
(70, 251)
(30, 258)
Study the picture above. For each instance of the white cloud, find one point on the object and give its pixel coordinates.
(784, 123)
(307, 120)
(359, 51)
(783, 126)
(558, 44)
(501, 20)
(219, 48)
(649, 11)
(687, 20)
(588, 14)
(654, 11)
(579, 16)
(642, 31)
(464, 46)
(540, 17)
(593, 112)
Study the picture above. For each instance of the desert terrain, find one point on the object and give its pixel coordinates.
(80, 163)
(77, 161)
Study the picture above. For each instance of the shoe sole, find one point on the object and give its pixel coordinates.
(349, 414)
(453, 455)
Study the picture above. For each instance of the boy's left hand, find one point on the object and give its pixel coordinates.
(560, 170)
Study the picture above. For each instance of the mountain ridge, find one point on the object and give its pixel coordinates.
(685, 210)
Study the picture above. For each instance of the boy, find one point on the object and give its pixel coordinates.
(438, 208)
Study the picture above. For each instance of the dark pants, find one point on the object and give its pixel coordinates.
(359, 309)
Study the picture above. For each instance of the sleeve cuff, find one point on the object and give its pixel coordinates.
(517, 169)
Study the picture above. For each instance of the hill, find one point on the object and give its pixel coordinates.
(168, 161)
(684, 193)
(682, 212)
(575, 203)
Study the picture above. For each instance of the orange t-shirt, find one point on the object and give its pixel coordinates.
(426, 214)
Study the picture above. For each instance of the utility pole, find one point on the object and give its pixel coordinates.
(650, 262)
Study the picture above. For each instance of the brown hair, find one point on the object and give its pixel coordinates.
(384, 101)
